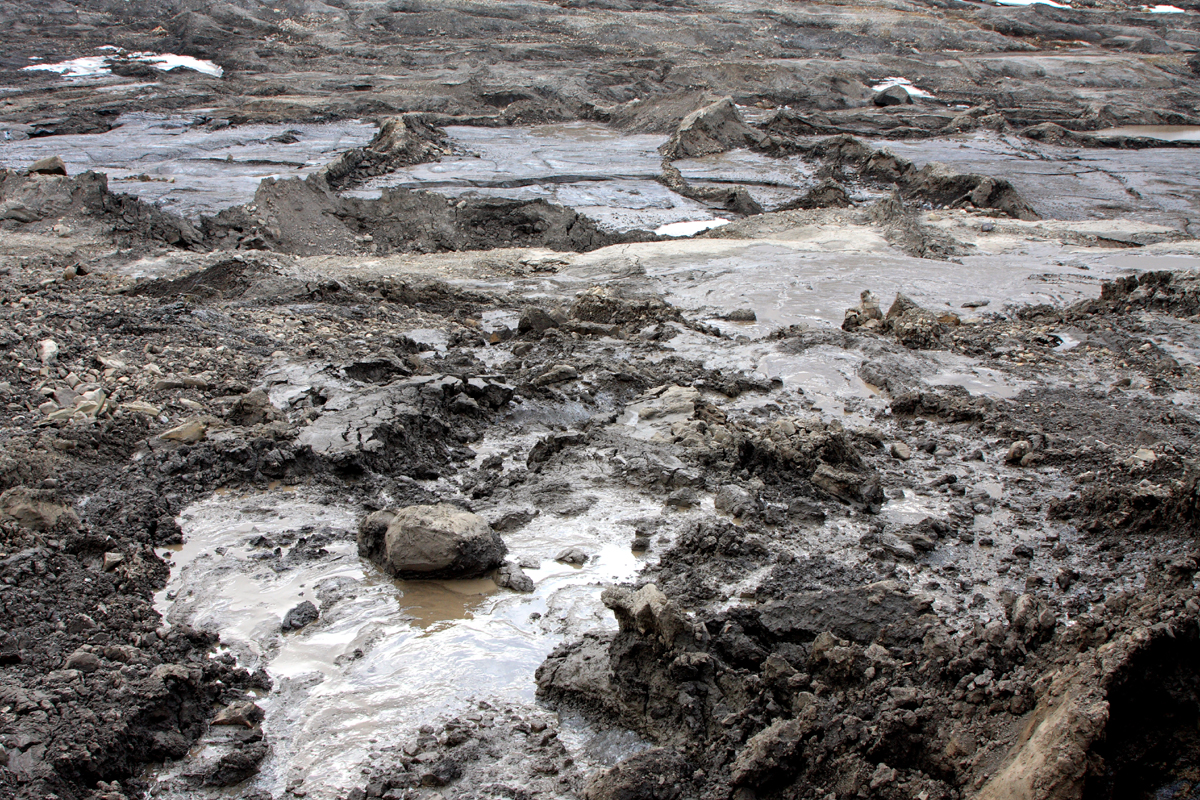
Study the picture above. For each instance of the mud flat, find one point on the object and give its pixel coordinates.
(884, 486)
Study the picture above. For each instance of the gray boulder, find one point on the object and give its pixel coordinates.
(440, 541)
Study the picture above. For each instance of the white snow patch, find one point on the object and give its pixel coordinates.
(1030, 3)
(690, 228)
(1164, 9)
(903, 83)
(90, 66)
(75, 68)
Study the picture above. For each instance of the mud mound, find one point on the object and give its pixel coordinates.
(226, 280)
(306, 218)
(401, 141)
(30, 198)
(1176, 293)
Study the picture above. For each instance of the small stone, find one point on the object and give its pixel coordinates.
(683, 498)
(535, 321)
(247, 714)
(83, 661)
(901, 451)
(572, 555)
(1086, 477)
(1018, 451)
(892, 96)
(52, 165)
(48, 351)
(511, 576)
(742, 315)
(301, 615)
(190, 432)
(556, 374)
(112, 560)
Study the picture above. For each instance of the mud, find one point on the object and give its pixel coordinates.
(828, 374)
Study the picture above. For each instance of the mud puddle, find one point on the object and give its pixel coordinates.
(188, 168)
(386, 656)
(606, 175)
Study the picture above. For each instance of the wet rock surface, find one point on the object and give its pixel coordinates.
(361, 482)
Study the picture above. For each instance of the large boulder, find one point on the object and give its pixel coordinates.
(440, 541)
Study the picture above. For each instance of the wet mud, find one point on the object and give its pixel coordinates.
(598, 400)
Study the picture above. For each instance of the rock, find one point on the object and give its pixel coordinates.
(190, 432)
(511, 576)
(83, 661)
(664, 403)
(654, 774)
(915, 327)
(897, 547)
(892, 96)
(1018, 451)
(247, 714)
(34, 509)
(535, 321)
(901, 451)
(372, 533)
(140, 407)
(1142, 458)
(862, 314)
(556, 374)
(770, 755)
(52, 165)
(734, 500)
(47, 351)
(850, 487)
(299, 616)
(113, 560)
(10, 649)
(439, 541)
(235, 767)
(685, 497)
(545, 448)
(572, 555)
(715, 128)
(741, 315)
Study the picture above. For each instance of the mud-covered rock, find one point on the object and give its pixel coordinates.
(432, 542)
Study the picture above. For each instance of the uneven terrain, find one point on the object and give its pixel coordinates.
(880, 482)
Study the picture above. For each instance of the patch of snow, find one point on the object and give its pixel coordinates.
(903, 83)
(75, 68)
(1164, 9)
(690, 228)
(91, 66)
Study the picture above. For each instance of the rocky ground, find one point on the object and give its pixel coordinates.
(892, 588)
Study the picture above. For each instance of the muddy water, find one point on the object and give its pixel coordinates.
(187, 168)
(604, 174)
(386, 656)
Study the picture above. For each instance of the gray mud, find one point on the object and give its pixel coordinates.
(825, 381)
